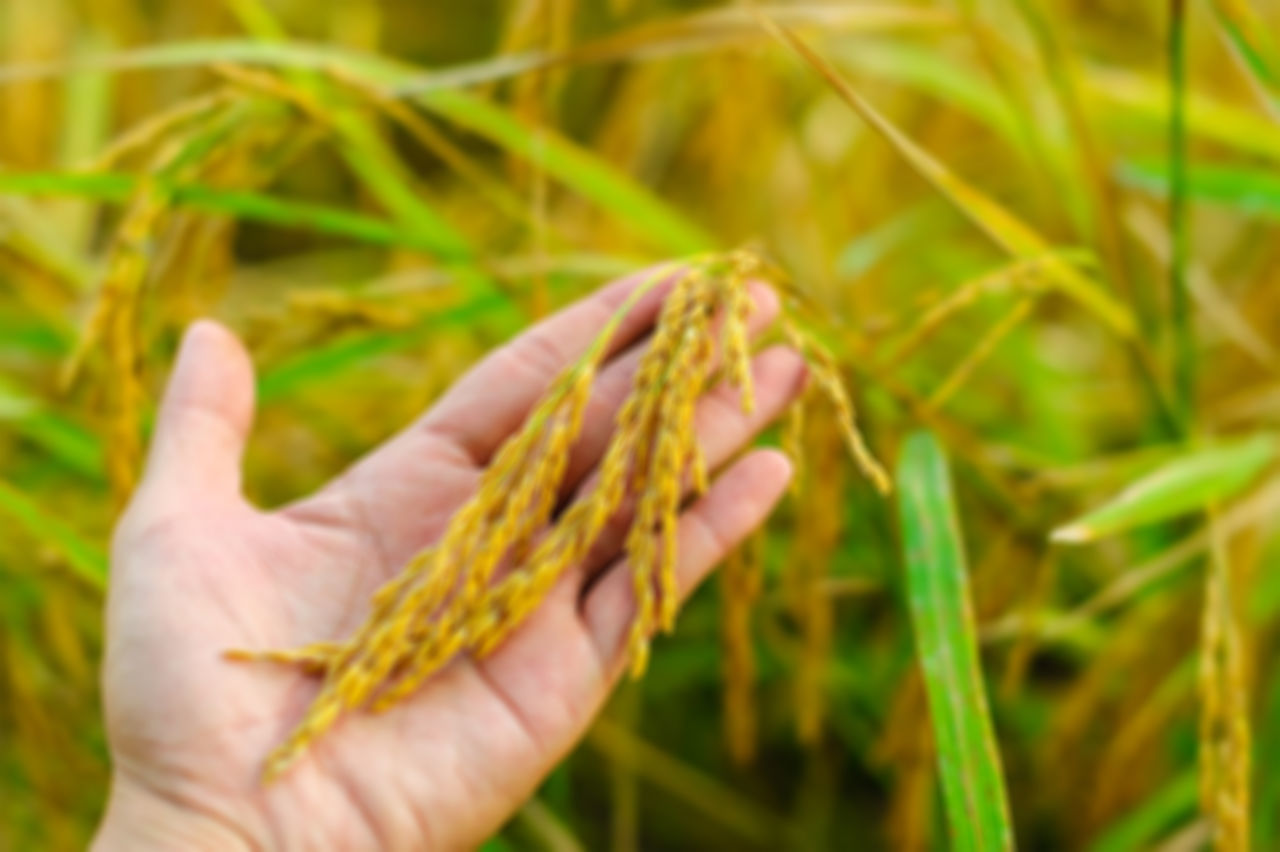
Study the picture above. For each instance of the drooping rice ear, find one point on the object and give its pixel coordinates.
(450, 599)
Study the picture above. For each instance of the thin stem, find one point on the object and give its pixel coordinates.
(1184, 354)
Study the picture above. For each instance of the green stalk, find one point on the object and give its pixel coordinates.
(1184, 351)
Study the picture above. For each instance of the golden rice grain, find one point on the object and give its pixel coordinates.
(502, 551)
(793, 444)
(1225, 735)
(826, 377)
(115, 320)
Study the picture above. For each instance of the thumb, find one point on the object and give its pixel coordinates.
(204, 418)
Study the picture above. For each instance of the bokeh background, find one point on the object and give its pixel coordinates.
(374, 192)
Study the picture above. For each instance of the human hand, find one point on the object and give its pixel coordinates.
(197, 570)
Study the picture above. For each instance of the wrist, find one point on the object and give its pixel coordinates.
(138, 820)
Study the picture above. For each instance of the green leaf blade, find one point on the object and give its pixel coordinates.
(1183, 485)
(117, 188)
(86, 560)
(579, 169)
(946, 640)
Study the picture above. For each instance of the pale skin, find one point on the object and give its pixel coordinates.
(197, 569)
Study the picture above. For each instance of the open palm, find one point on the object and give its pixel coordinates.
(198, 570)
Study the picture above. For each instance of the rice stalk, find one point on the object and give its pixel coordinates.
(1137, 743)
(502, 552)
(1255, 46)
(1098, 178)
(1225, 736)
(749, 820)
(1016, 277)
(27, 232)
(793, 426)
(741, 580)
(34, 277)
(83, 558)
(1112, 686)
(366, 152)
(433, 141)
(1181, 332)
(982, 349)
(115, 322)
(153, 130)
(1215, 305)
(825, 374)
(906, 748)
(1031, 612)
(819, 523)
(1004, 69)
(195, 264)
(536, 97)
(30, 36)
(1005, 229)
(1248, 514)
(115, 319)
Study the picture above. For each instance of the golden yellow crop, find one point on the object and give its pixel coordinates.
(455, 597)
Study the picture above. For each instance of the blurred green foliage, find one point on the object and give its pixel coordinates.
(1046, 232)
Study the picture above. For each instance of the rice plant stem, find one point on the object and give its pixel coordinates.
(1184, 356)
(1099, 183)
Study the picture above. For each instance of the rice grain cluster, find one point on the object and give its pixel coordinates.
(504, 550)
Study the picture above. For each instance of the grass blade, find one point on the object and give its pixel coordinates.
(87, 118)
(1171, 806)
(86, 560)
(1252, 191)
(73, 446)
(574, 166)
(197, 53)
(582, 171)
(693, 32)
(1181, 332)
(118, 188)
(747, 818)
(30, 232)
(323, 362)
(1138, 104)
(1248, 33)
(1184, 485)
(1218, 309)
(946, 640)
(940, 76)
(1267, 754)
(330, 359)
(365, 150)
(1093, 166)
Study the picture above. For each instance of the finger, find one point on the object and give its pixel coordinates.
(737, 503)
(491, 401)
(204, 417)
(614, 384)
(723, 428)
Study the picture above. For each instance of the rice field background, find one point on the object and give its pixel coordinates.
(1042, 237)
